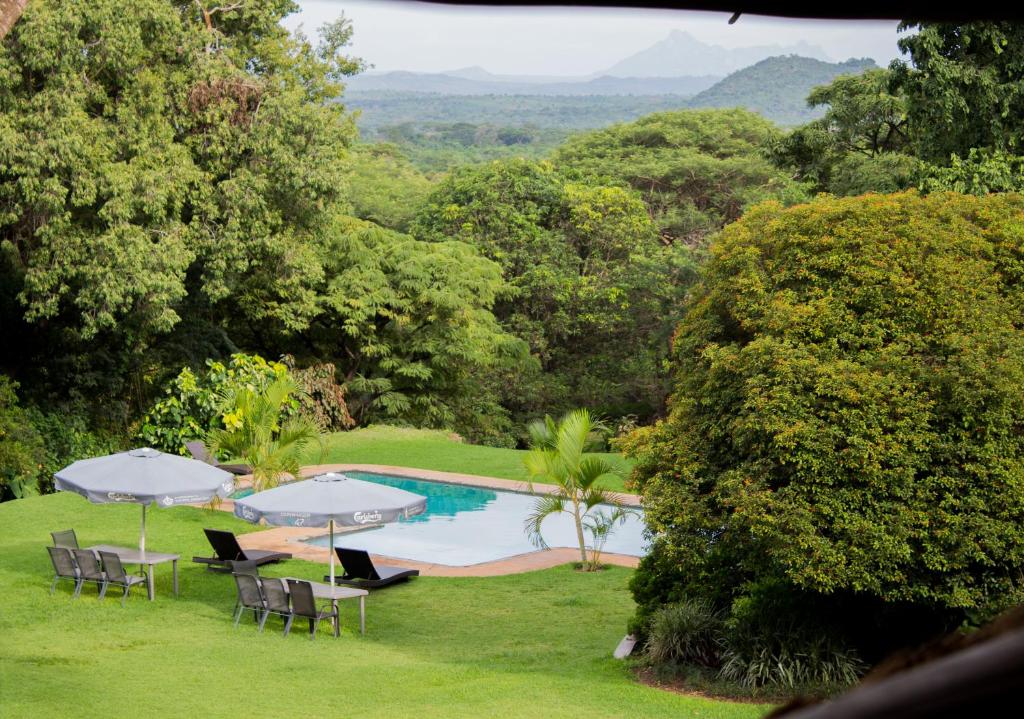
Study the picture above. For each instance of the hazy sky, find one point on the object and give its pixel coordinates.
(564, 41)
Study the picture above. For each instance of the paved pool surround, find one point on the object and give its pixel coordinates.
(292, 539)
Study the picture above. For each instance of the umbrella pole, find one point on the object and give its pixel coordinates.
(142, 537)
(331, 549)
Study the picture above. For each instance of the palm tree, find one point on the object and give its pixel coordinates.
(557, 456)
(257, 431)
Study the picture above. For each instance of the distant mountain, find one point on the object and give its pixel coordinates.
(778, 87)
(681, 54)
(476, 81)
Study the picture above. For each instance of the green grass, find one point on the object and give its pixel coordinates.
(529, 645)
(429, 449)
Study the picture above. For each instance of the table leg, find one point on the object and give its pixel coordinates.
(174, 567)
(336, 619)
(362, 615)
(149, 582)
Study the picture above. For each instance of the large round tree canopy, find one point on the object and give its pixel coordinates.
(848, 411)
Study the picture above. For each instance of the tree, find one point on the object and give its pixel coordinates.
(963, 88)
(696, 170)
(557, 456)
(259, 431)
(847, 421)
(22, 453)
(858, 145)
(180, 152)
(589, 282)
(10, 11)
(386, 189)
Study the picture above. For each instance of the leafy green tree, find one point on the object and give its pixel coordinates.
(858, 145)
(557, 457)
(695, 169)
(182, 149)
(386, 188)
(262, 430)
(590, 282)
(963, 88)
(847, 421)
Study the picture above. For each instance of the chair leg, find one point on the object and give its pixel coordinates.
(103, 589)
(238, 613)
(288, 624)
(79, 583)
(263, 619)
(313, 624)
(125, 595)
(53, 585)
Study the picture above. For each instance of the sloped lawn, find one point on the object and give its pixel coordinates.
(529, 645)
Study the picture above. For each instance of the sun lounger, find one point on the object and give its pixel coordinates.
(227, 550)
(198, 451)
(360, 570)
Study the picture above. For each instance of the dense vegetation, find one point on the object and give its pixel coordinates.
(844, 444)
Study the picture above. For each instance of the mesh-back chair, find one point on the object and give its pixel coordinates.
(304, 605)
(65, 538)
(116, 575)
(89, 570)
(245, 566)
(275, 597)
(64, 568)
(250, 596)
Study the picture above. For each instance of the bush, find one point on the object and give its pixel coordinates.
(21, 447)
(192, 406)
(68, 437)
(847, 417)
(685, 632)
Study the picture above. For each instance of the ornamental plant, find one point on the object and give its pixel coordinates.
(847, 419)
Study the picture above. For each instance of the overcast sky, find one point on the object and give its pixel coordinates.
(564, 41)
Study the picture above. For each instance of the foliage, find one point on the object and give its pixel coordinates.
(980, 173)
(695, 169)
(159, 156)
(21, 447)
(192, 406)
(857, 145)
(775, 87)
(963, 88)
(262, 429)
(687, 631)
(413, 322)
(590, 283)
(846, 416)
(557, 456)
(386, 189)
(68, 435)
(321, 398)
(768, 639)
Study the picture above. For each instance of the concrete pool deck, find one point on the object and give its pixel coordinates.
(292, 539)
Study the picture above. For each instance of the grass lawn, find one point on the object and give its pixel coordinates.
(428, 449)
(529, 645)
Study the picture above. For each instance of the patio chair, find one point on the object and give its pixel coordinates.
(64, 568)
(304, 605)
(198, 451)
(89, 570)
(361, 572)
(250, 596)
(65, 538)
(226, 550)
(116, 575)
(275, 598)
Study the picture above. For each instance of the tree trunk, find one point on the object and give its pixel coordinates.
(579, 533)
(10, 11)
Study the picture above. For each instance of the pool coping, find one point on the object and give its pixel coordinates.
(292, 539)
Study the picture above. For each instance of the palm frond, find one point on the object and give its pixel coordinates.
(544, 506)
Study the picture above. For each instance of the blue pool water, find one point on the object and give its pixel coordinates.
(466, 525)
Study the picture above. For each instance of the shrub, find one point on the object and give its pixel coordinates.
(192, 407)
(688, 631)
(847, 417)
(21, 447)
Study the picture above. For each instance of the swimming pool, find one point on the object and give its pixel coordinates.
(466, 525)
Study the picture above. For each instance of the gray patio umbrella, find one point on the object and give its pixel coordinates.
(329, 499)
(144, 476)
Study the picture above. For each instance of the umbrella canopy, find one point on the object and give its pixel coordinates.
(144, 476)
(329, 499)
